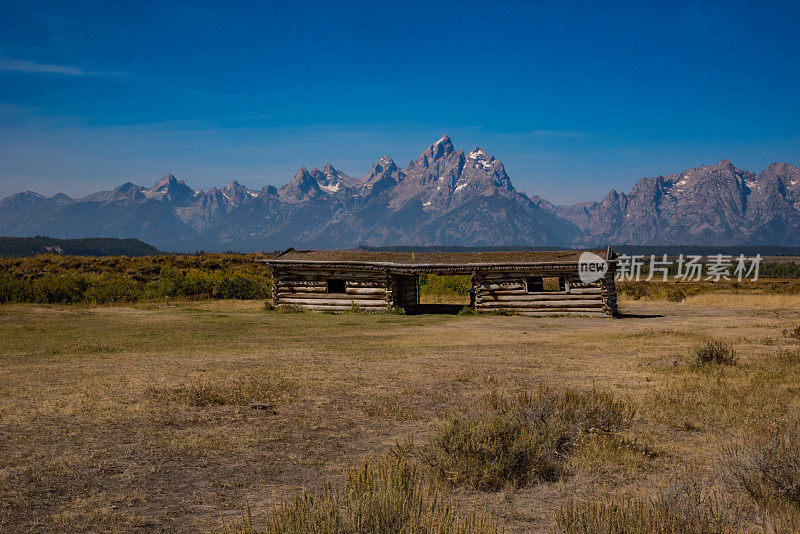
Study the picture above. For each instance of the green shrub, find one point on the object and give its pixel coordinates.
(383, 496)
(518, 439)
(712, 352)
(237, 286)
(171, 282)
(780, 270)
(194, 282)
(59, 289)
(69, 279)
(445, 285)
(108, 288)
(12, 289)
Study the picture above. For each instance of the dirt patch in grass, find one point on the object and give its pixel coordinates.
(258, 389)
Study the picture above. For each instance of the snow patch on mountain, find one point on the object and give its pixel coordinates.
(331, 188)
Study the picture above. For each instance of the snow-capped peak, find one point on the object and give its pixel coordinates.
(330, 179)
(478, 153)
(480, 158)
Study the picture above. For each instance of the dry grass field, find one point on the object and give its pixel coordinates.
(179, 417)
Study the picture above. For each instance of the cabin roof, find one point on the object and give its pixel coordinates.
(422, 261)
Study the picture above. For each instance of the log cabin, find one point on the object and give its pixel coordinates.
(533, 283)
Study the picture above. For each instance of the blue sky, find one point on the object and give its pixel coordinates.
(575, 98)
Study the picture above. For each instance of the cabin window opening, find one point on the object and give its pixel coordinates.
(335, 285)
(534, 284)
(540, 284)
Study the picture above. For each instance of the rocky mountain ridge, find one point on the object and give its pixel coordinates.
(445, 197)
(708, 205)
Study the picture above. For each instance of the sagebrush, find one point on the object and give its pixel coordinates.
(520, 438)
(384, 495)
(712, 352)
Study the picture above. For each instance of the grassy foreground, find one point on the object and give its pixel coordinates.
(184, 416)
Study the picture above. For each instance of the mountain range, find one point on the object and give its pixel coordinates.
(445, 197)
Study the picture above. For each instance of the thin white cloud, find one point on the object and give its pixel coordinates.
(17, 65)
(33, 67)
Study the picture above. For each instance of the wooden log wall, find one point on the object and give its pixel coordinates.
(379, 290)
(508, 291)
(610, 293)
(405, 292)
(369, 290)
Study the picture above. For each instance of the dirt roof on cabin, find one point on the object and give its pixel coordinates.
(433, 258)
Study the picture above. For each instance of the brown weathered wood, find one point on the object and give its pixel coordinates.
(547, 311)
(285, 288)
(300, 283)
(511, 286)
(566, 313)
(501, 281)
(328, 296)
(321, 307)
(320, 276)
(337, 302)
(366, 291)
(545, 294)
(545, 304)
(525, 297)
(367, 284)
(331, 296)
(585, 291)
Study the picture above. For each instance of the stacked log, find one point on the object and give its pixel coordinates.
(381, 290)
(610, 294)
(508, 291)
(368, 290)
